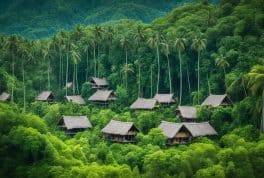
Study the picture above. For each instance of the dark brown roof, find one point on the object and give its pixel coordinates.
(164, 98)
(215, 100)
(99, 81)
(44, 95)
(118, 127)
(75, 99)
(4, 96)
(188, 112)
(102, 95)
(170, 129)
(76, 122)
(142, 103)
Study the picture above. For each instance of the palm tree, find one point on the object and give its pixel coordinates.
(139, 36)
(221, 62)
(109, 37)
(125, 44)
(154, 42)
(255, 84)
(98, 32)
(137, 62)
(46, 56)
(166, 51)
(126, 69)
(180, 46)
(67, 61)
(198, 44)
(75, 56)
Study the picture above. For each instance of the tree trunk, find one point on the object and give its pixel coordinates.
(169, 74)
(48, 74)
(262, 119)
(76, 74)
(126, 69)
(189, 85)
(98, 66)
(67, 71)
(60, 72)
(139, 87)
(73, 80)
(13, 82)
(198, 81)
(179, 53)
(158, 80)
(24, 87)
(209, 86)
(87, 65)
(94, 62)
(151, 82)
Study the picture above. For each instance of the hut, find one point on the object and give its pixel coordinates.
(102, 97)
(5, 97)
(99, 83)
(181, 133)
(73, 124)
(217, 100)
(118, 131)
(144, 104)
(164, 98)
(187, 113)
(75, 99)
(45, 96)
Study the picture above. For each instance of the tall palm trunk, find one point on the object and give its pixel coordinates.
(48, 74)
(13, 83)
(189, 85)
(209, 86)
(126, 69)
(60, 72)
(76, 79)
(168, 60)
(179, 53)
(158, 80)
(98, 55)
(87, 65)
(73, 79)
(67, 71)
(198, 84)
(94, 61)
(262, 115)
(139, 87)
(24, 87)
(151, 83)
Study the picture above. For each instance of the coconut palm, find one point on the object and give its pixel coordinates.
(139, 36)
(46, 56)
(166, 51)
(154, 42)
(98, 33)
(109, 36)
(221, 62)
(180, 47)
(125, 44)
(138, 63)
(75, 56)
(126, 69)
(198, 44)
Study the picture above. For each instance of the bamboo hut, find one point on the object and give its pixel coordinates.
(187, 113)
(73, 124)
(181, 133)
(217, 100)
(77, 99)
(99, 83)
(164, 98)
(144, 104)
(102, 97)
(5, 97)
(118, 131)
(45, 96)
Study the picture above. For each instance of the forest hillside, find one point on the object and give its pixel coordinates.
(195, 51)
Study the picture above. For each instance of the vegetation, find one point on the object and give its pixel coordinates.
(195, 50)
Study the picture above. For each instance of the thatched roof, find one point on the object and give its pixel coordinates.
(164, 98)
(170, 129)
(142, 103)
(4, 96)
(99, 81)
(215, 100)
(76, 122)
(188, 112)
(102, 95)
(118, 127)
(44, 96)
(75, 99)
(200, 129)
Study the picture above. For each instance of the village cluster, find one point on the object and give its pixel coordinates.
(125, 132)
